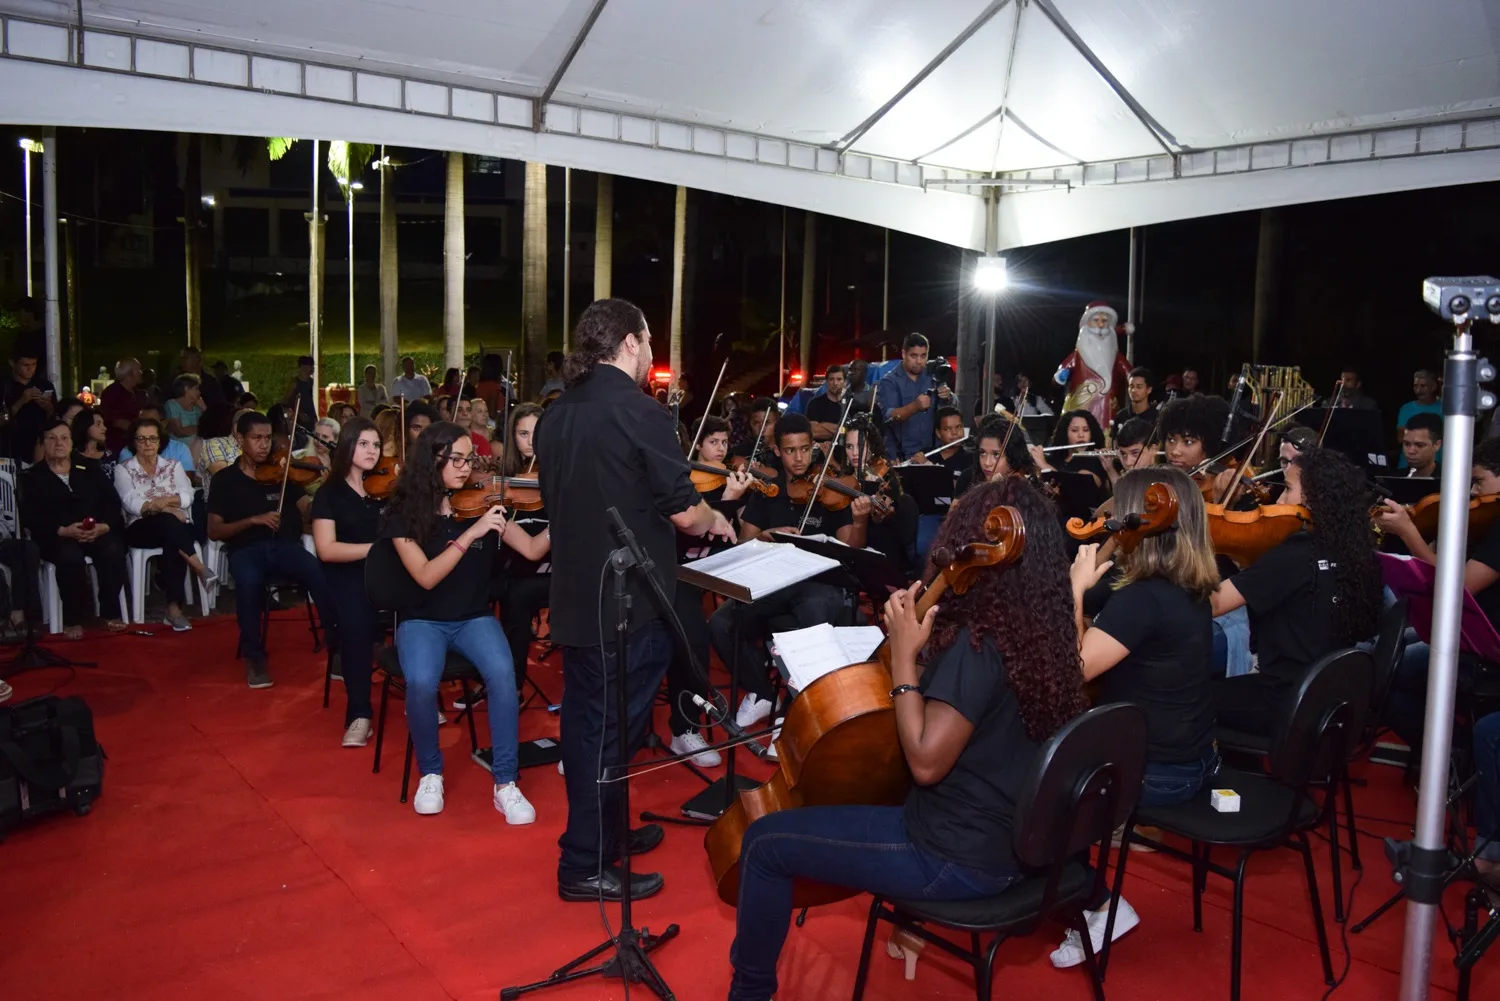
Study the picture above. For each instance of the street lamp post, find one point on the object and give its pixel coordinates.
(990, 280)
(353, 186)
(28, 147)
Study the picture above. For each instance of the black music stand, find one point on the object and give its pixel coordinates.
(1408, 489)
(1359, 434)
(932, 485)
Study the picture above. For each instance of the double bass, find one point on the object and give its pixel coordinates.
(838, 744)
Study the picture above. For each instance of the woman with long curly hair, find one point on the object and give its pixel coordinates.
(990, 437)
(1152, 644)
(451, 561)
(1002, 675)
(1315, 593)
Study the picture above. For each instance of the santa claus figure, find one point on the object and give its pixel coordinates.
(1096, 370)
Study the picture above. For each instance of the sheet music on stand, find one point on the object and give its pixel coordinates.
(754, 569)
(870, 569)
(810, 653)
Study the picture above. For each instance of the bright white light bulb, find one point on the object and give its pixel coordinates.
(989, 274)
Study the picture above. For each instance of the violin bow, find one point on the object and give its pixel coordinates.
(818, 486)
(698, 435)
(286, 470)
(760, 435)
(1009, 430)
(1338, 396)
(1239, 473)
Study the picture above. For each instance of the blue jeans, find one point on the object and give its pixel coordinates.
(1487, 795)
(861, 847)
(423, 645)
(1169, 784)
(276, 559)
(590, 726)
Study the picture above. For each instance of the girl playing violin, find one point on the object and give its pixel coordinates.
(989, 463)
(1192, 432)
(521, 584)
(1151, 644)
(451, 561)
(1314, 593)
(1002, 674)
(345, 521)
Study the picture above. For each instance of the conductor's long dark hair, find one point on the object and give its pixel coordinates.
(419, 490)
(343, 452)
(1025, 609)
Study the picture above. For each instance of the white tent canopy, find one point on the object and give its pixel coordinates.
(1097, 114)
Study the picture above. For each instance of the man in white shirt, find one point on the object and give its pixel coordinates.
(371, 394)
(410, 384)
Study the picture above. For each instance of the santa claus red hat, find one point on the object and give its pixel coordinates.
(1100, 306)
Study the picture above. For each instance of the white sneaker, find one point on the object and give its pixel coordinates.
(560, 768)
(358, 734)
(510, 801)
(752, 710)
(429, 797)
(441, 718)
(1070, 953)
(771, 754)
(693, 743)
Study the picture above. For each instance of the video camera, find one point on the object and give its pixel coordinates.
(1455, 298)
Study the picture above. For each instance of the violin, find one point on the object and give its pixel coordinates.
(710, 476)
(510, 491)
(303, 472)
(1246, 536)
(380, 482)
(838, 743)
(1482, 514)
(759, 470)
(1159, 515)
(837, 492)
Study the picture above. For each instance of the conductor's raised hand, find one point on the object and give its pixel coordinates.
(907, 635)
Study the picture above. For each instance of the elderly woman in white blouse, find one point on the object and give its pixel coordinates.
(158, 503)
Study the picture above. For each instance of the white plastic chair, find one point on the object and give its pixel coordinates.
(217, 560)
(52, 610)
(137, 560)
(10, 518)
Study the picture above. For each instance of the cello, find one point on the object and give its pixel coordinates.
(838, 743)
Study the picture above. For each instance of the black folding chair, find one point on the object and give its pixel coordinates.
(1276, 809)
(455, 668)
(1085, 784)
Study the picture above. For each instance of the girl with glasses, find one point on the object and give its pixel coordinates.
(451, 561)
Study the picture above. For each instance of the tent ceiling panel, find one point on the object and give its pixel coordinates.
(757, 97)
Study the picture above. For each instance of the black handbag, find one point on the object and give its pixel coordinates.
(49, 759)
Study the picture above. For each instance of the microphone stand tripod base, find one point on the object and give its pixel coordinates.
(630, 963)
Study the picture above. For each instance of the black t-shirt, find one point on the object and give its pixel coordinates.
(233, 496)
(464, 593)
(512, 563)
(966, 816)
(356, 520)
(1488, 553)
(780, 512)
(1170, 638)
(1290, 595)
(25, 428)
(1125, 415)
(821, 408)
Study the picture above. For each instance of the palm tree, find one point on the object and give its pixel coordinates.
(604, 236)
(679, 239)
(390, 269)
(192, 202)
(809, 280)
(345, 161)
(453, 264)
(534, 279)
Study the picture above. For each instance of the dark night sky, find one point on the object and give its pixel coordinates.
(1351, 270)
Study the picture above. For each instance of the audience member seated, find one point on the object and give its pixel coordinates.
(158, 503)
(73, 514)
(29, 401)
(88, 433)
(184, 409)
(262, 534)
(121, 403)
(171, 448)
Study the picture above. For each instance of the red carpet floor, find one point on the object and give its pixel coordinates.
(239, 852)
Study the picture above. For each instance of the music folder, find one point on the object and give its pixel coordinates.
(754, 569)
(875, 573)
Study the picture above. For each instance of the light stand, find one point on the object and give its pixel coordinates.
(1424, 881)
